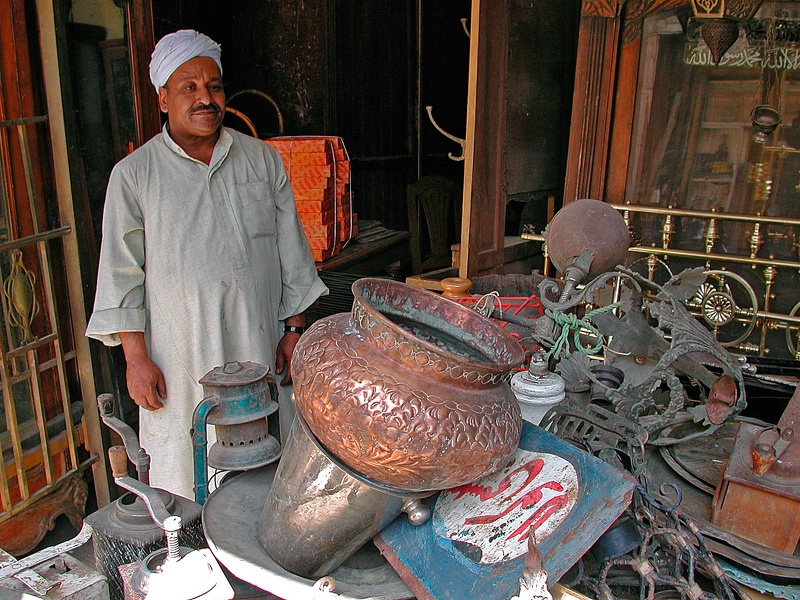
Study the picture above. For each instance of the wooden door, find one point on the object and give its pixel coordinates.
(483, 214)
(48, 405)
(521, 77)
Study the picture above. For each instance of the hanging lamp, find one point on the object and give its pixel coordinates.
(720, 28)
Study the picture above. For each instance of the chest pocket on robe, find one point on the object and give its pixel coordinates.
(257, 209)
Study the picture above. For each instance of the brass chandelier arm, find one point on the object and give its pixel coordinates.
(792, 335)
(705, 214)
(744, 260)
(693, 254)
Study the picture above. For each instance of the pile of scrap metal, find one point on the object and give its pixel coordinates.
(646, 480)
(651, 391)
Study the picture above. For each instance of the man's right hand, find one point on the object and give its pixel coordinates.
(146, 384)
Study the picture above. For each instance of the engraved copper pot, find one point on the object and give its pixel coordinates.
(409, 390)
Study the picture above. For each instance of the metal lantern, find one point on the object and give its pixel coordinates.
(720, 27)
(239, 397)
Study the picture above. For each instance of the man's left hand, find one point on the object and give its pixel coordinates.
(283, 359)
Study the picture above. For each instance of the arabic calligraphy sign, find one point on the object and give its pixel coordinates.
(697, 54)
(490, 521)
(475, 543)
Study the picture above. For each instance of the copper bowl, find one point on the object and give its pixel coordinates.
(410, 390)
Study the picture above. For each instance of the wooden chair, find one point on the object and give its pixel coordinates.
(246, 122)
(432, 200)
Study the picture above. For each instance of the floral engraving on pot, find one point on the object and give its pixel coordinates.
(406, 350)
(397, 427)
(490, 521)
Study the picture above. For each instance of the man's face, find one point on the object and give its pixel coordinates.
(193, 99)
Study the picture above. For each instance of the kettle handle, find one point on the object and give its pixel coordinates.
(199, 442)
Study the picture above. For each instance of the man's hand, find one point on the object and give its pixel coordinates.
(283, 358)
(146, 384)
(283, 355)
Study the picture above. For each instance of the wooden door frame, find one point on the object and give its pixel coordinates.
(141, 43)
(483, 210)
(609, 44)
(63, 183)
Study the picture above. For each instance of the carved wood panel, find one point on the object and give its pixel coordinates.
(22, 533)
(605, 84)
(601, 8)
(592, 108)
(637, 10)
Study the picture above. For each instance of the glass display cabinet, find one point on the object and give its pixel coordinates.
(693, 133)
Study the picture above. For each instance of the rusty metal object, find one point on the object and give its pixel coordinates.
(664, 531)
(690, 349)
(588, 224)
(601, 432)
(722, 399)
(763, 458)
(761, 508)
(586, 237)
(410, 390)
(775, 451)
(697, 504)
(790, 419)
(699, 461)
(758, 497)
(239, 398)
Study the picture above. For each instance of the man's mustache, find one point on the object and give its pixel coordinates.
(201, 107)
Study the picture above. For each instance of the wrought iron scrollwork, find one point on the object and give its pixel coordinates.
(549, 288)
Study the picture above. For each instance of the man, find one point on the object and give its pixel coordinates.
(202, 256)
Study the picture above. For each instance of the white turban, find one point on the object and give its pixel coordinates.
(176, 48)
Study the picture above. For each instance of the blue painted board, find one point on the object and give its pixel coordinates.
(475, 542)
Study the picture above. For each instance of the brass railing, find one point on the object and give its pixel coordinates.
(716, 303)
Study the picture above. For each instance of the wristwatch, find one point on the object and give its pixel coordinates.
(294, 329)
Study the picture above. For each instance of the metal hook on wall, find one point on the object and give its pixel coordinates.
(462, 142)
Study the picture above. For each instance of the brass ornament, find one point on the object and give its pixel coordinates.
(19, 296)
(708, 8)
(742, 10)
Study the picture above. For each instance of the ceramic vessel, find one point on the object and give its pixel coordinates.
(537, 390)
